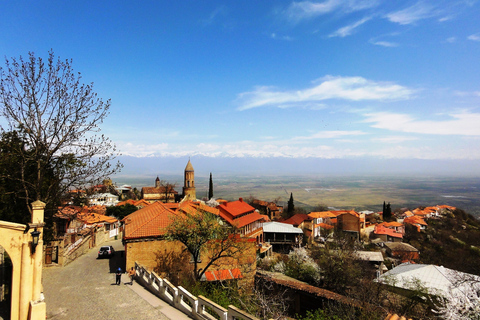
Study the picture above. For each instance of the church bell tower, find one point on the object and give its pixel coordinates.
(189, 192)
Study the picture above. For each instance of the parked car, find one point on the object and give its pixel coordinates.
(106, 251)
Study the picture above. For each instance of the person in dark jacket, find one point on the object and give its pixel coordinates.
(118, 276)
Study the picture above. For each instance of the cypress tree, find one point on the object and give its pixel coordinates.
(291, 206)
(210, 188)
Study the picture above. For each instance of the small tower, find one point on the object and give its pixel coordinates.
(189, 192)
(157, 183)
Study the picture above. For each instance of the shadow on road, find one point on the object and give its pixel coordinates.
(117, 261)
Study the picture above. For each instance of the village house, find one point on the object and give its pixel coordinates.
(271, 209)
(78, 229)
(244, 217)
(387, 234)
(323, 223)
(416, 221)
(302, 221)
(351, 223)
(402, 251)
(144, 241)
(282, 236)
(102, 199)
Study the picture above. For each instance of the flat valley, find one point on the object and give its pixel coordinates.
(341, 192)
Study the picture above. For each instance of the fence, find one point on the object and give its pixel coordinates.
(197, 308)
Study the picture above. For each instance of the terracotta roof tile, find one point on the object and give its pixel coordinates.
(227, 274)
(148, 222)
(245, 220)
(380, 229)
(323, 214)
(298, 218)
(236, 208)
(415, 220)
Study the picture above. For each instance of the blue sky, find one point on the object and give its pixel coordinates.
(327, 79)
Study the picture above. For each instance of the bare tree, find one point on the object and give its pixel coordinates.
(206, 239)
(168, 188)
(57, 118)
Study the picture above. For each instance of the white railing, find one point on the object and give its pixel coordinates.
(199, 308)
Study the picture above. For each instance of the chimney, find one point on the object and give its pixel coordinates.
(240, 199)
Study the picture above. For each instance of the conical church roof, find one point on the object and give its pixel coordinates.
(189, 166)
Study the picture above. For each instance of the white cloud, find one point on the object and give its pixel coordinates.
(458, 124)
(348, 30)
(387, 44)
(412, 14)
(308, 9)
(474, 37)
(345, 88)
(451, 40)
(329, 135)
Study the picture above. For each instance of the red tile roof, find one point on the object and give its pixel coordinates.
(391, 224)
(380, 229)
(136, 203)
(245, 220)
(218, 275)
(148, 222)
(447, 207)
(325, 226)
(192, 207)
(323, 214)
(236, 208)
(297, 219)
(415, 220)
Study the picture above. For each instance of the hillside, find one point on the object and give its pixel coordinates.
(452, 241)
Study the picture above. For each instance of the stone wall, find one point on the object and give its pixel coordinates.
(145, 252)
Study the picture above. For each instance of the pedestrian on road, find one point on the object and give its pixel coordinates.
(131, 273)
(118, 276)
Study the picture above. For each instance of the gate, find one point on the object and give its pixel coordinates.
(48, 255)
(55, 254)
(51, 254)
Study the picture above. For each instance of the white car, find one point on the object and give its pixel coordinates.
(106, 251)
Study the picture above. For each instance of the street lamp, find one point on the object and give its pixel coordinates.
(35, 236)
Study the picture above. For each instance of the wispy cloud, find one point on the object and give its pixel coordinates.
(348, 30)
(309, 9)
(474, 37)
(465, 123)
(387, 44)
(420, 10)
(345, 88)
(451, 40)
(278, 37)
(394, 139)
(219, 11)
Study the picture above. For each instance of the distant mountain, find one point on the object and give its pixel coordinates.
(168, 166)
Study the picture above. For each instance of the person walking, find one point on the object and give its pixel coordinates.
(131, 273)
(118, 276)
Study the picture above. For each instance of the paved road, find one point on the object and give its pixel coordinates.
(85, 289)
